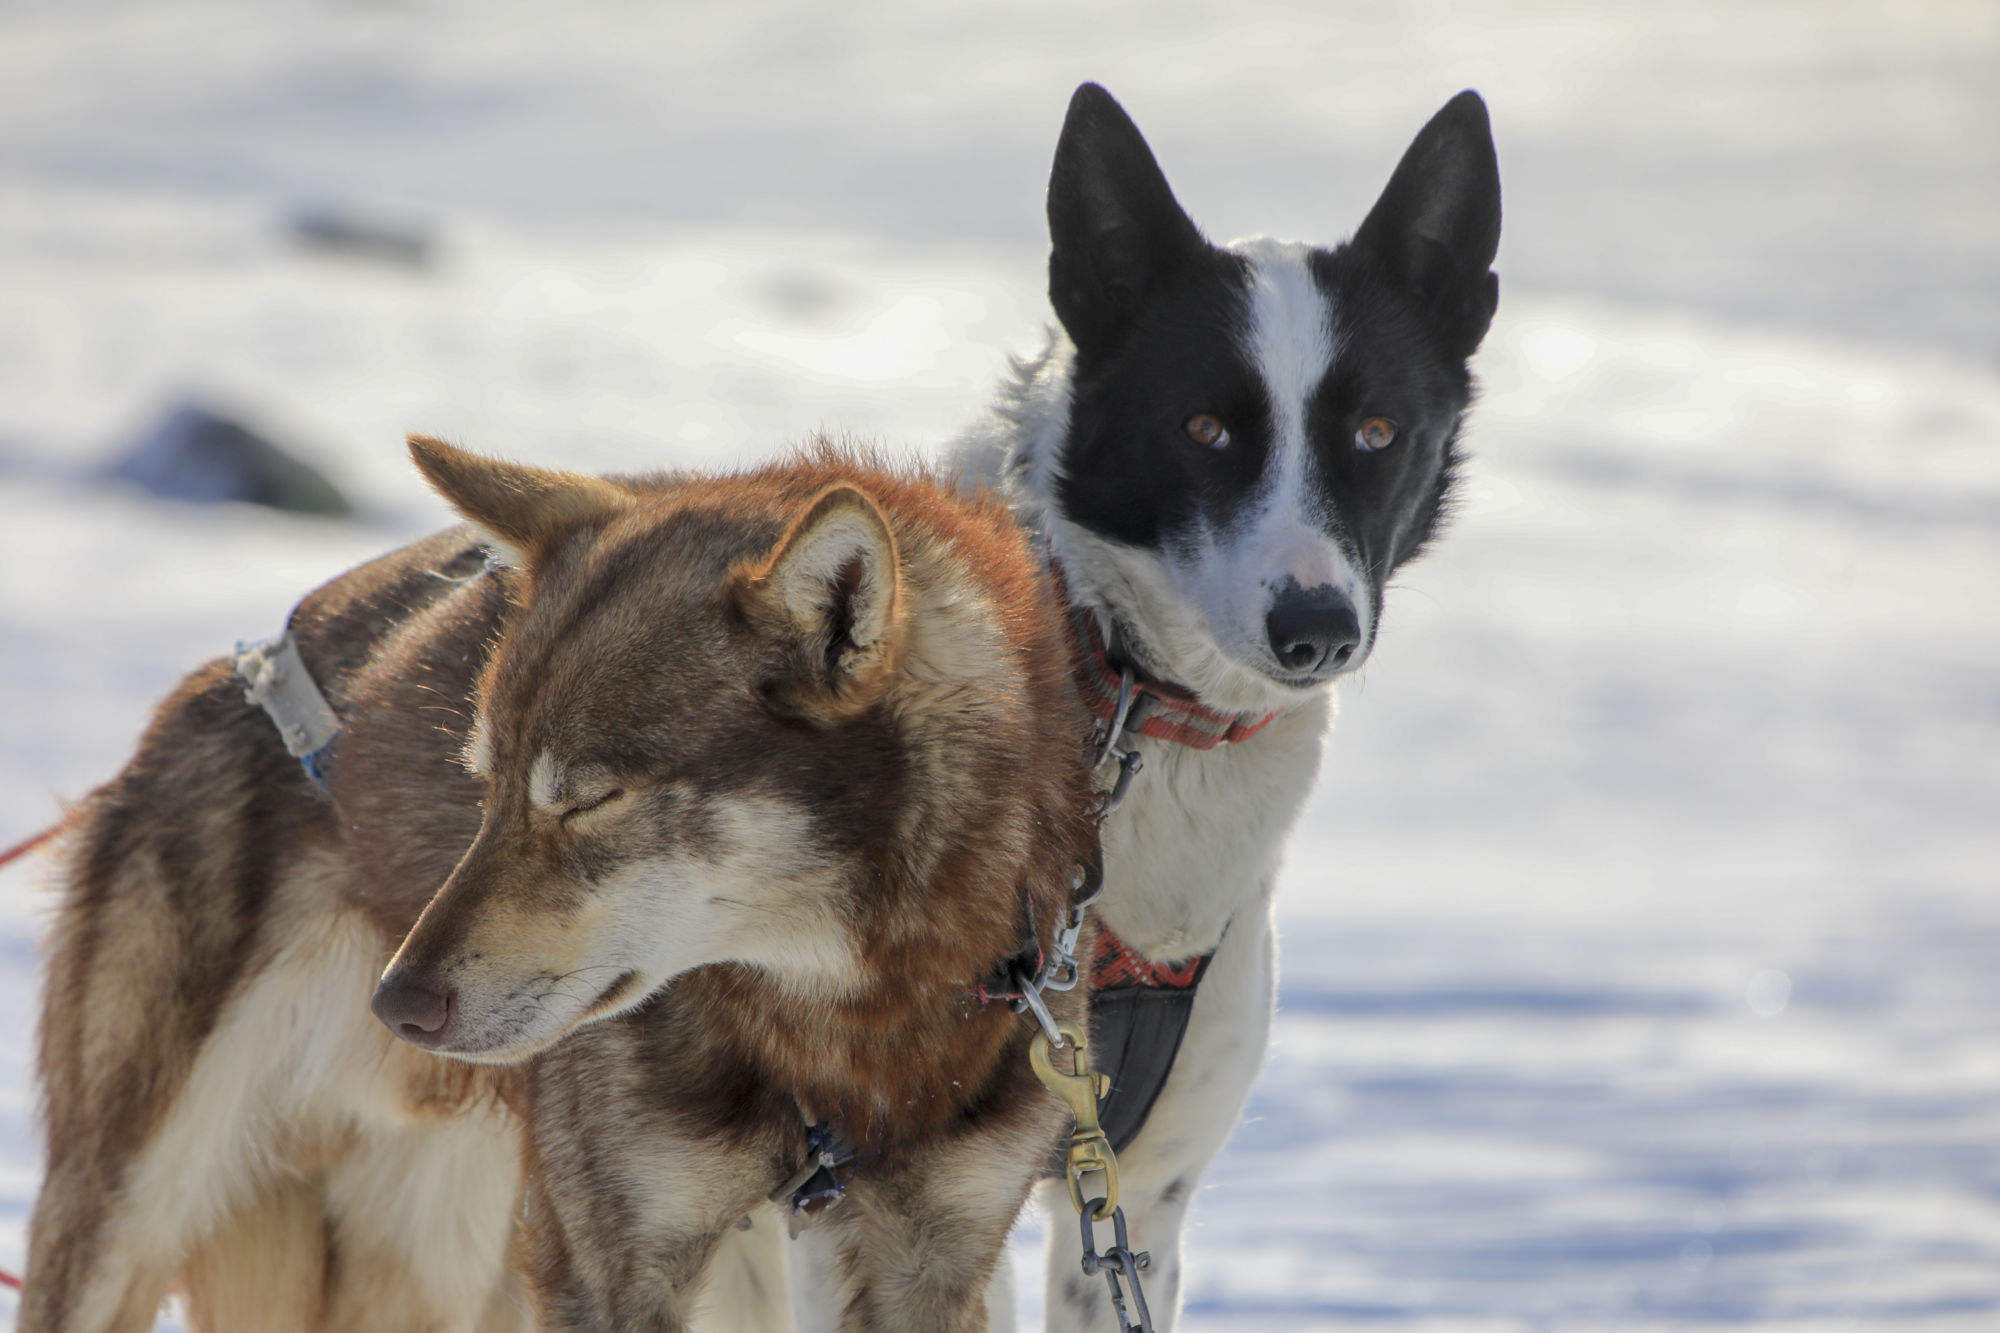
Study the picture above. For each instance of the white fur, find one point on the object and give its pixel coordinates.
(1293, 341)
(297, 1062)
(820, 1296)
(763, 895)
(1290, 337)
(746, 1289)
(545, 782)
(478, 757)
(500, 552)
(444, 1190)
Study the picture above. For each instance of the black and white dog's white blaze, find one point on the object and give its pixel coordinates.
(1258, 434)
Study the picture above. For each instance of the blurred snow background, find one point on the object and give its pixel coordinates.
(1638, 966)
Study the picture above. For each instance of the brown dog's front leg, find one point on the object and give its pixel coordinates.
(920, 1242)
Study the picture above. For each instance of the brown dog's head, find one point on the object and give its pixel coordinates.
(679, 737)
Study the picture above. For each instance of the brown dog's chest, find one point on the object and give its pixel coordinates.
(741, 1060)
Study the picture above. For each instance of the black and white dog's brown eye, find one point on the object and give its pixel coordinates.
(1375, 435)
(1206, 431)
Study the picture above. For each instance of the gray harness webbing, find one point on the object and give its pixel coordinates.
(275, 678)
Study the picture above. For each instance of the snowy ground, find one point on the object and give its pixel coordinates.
(1637, 964)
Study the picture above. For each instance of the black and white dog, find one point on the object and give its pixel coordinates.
(1230, 449)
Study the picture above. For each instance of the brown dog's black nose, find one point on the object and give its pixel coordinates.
(413, 1012)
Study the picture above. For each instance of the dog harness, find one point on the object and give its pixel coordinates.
(1139, 1009)
(1159, 710)
(277, 680)
(1139, 1012)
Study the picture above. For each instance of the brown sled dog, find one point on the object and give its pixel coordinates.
(773, 768)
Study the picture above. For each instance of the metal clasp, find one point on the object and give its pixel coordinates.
(1112, 733)
(1079, 1087)
(1121, 712)
(1129, 763)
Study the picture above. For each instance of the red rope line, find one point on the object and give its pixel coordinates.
(18, 850)
(7, 1279)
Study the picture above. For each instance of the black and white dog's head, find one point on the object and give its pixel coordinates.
(1238, 444)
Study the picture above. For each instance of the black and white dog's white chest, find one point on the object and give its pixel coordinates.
(1198, 839)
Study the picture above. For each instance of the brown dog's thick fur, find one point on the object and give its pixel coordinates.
(771, 768)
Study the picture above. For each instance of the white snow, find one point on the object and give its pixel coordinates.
(1637, 964)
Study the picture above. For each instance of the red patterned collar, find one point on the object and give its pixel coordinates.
(1160, 710)
(1114, 963)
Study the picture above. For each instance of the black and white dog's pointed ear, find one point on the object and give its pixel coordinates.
(1114, 226)
(1437, 225)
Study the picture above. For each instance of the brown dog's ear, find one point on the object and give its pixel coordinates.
(832, 588)
(521, 508)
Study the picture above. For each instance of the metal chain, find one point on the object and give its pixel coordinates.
(1060, 970)
(1120, 1261)
(1090, 1152)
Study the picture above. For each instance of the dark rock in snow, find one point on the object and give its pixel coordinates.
(335, 232)
(195, 453)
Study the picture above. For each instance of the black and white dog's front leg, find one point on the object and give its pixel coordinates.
(1161, 1169)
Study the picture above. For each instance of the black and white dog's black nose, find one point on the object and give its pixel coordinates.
(1312, 630)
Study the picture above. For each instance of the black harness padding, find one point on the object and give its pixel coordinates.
(1135, 1033)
